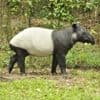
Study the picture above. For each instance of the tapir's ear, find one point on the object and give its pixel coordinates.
(74, 26)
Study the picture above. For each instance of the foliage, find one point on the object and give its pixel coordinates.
(62, 9)
(84, 56)
(65, 10)
(4, 58)
(95, 2)
(14, 6)
(27, 7)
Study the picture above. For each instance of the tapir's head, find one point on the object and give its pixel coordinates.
(81, 34)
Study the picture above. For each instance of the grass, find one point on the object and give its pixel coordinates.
(87, 56)
(81, 85)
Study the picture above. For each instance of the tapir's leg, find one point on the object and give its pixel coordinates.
(21, 64)
(13, 60)
(62, 63)
(54, 64)
(21, 54)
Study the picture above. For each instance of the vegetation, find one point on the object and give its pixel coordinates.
(18, 14)
(80, 84)
(55, 9)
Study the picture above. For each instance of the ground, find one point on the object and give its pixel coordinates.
(74, 75)
(39, 84)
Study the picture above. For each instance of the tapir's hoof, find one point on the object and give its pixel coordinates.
(9, 72)
(23, 74)
(64, 76)
(54, 73)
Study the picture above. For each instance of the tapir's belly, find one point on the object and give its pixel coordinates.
(37, 42)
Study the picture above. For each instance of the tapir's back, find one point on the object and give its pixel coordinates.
(37, 41)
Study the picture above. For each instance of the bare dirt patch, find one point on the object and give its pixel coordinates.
(31, 73)
(70, 80)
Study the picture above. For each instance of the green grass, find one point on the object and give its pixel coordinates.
(87, 56)
(81, 85)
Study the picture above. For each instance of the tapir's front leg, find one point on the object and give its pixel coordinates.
(62, 63)
(54, 64)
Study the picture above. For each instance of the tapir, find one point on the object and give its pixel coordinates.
(38, 41)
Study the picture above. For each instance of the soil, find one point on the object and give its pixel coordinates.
(70, 80)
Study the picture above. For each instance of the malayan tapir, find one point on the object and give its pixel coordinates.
(39, 41)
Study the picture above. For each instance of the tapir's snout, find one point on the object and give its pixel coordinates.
(91, 39)
(87, 38)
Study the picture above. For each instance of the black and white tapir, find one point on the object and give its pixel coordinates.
(38, 41)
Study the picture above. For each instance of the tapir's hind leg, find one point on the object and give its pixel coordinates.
(21, 54)
(13, 60)
(19, 57)
(21, 63)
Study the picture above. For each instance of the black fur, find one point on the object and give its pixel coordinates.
(63, 42)
(19, 57)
